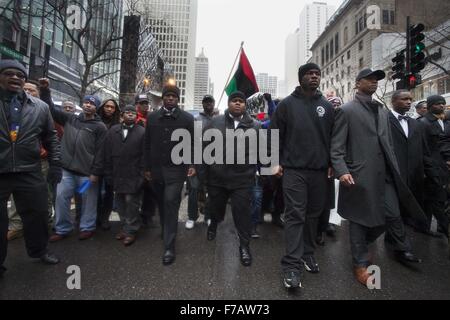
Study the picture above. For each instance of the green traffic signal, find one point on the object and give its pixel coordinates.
(419, 47)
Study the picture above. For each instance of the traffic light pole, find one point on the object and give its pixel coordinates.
(408, 44)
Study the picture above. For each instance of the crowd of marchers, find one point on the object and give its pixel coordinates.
(391, 170)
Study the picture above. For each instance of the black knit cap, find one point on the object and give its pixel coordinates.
(129, 108)
(305, 68)
(171, 89)
(237, 94)
(13, 64)
(432, 100)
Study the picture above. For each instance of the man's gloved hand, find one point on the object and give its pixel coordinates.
(268, 97)
(54, 175)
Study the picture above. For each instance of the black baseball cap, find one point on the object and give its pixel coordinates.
(208, 98)
(365, 73)
(142, 98)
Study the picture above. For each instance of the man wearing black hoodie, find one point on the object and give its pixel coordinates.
(304, 120)
(82, 162)
(109, 112)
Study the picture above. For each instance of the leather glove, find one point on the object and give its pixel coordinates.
(54, 175)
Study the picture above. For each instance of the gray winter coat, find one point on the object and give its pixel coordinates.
(362, 146)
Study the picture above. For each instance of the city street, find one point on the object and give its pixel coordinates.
(212, 271)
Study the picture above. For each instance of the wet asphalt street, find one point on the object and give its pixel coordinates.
(212, 270)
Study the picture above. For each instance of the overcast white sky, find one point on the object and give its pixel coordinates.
(262, 24)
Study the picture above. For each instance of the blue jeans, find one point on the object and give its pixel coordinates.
(65, 192)
(257, 197)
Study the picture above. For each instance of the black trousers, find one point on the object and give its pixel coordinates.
(31, 199)
(168, 197)
(324, 219)
(148, 206)
(105, 201)
(305, 199)
(435, 198)
(240, 208)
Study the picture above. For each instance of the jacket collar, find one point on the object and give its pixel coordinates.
(175, 112)
(431, 117)
(246, 120)
(298, 93)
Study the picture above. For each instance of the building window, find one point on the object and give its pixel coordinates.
(331, 49)
(349, 87)
(348, 55)
(337, 63)
(323, 56)
(342, 60)
(327, 53)
(336, 43)
(361, 63)
(389, 17)
(345, 35)
(348, 70)
(361, 45)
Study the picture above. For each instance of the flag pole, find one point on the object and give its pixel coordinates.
(231, 72)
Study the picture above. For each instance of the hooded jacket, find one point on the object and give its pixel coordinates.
(115, 119)
(82, 145)
(305, 126)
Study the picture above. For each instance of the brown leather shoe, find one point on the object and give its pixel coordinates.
(57, 237)
(361, 275)
(129, 240)
(85, 235)
(121, 235)
(14, 234)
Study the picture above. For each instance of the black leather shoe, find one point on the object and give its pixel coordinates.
(169, 257)
(49, 258)
(320, 240)
(246, 257)
(212, 232)
(331, 230)
(405, 256)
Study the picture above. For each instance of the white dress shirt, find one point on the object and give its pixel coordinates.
(402, 122)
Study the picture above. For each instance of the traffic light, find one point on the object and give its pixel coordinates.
(416, 48)
(399, 67)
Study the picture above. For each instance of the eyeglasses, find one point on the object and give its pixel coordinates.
(11, 74)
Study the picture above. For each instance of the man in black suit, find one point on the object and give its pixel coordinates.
(411, 151)
(167, 177)
(435, 191)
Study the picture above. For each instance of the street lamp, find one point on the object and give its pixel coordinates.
(171, 82)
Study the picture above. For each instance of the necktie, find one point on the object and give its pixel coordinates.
(400, 118)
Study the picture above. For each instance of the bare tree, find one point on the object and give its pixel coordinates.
(94, 44)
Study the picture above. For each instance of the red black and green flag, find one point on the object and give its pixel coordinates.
(244, 79)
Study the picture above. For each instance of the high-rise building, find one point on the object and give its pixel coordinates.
(174, 25)
(201, 80)
(313, 20)
(267, 84)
